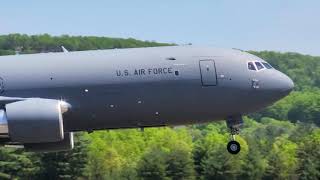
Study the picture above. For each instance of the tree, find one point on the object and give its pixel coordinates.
(114, 154)
(168, 155)
(16, 163)
(65, 165)
(180, 164)
(211, 157)
(306, 108)
(283, 159)
(284, 148)
(46, 43)
(309, 155)
(153, 165)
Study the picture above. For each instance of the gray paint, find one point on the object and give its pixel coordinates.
(35, 120)
(103, 96)
(208, 72)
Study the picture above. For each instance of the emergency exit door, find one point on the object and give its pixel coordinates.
(208, 72)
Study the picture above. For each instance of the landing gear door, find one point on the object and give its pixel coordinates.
(208, 72)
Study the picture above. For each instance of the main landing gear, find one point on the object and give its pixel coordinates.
(234, 123)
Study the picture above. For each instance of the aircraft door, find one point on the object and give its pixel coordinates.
(208, 73)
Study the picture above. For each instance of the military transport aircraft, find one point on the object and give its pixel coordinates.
(46, 97)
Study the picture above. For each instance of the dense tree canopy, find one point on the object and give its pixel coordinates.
(303, 69)
(279, 142)
(18, 43)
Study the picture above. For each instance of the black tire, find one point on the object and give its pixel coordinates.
(233, 147)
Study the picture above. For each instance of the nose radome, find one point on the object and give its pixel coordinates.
(286, 85)
(269, 86)
(290, 84)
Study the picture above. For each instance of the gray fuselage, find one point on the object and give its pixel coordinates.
(141, 87)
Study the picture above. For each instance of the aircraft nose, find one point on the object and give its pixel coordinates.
(283, 85)
(287, 84)
(267, 87)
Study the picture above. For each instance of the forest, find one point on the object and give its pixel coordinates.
(279, 142)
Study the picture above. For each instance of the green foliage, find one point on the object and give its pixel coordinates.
(309, 155)
(65, 165)
(269, 149)
(217, 163)
(282, 159)
(114, 153)
(169, 155)
(306, 108)
(6, 52)
(153, 165)
(15, 163)
(180, 164)
(303, 69)
(46, 43)
(299, 106)
(303, 105)
(280, 142)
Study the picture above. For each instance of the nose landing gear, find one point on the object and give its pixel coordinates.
(234, 123)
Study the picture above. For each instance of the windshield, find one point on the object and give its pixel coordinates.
(251, 66)
(267, 65)
(259, 65)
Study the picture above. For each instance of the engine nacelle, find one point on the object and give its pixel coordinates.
(64, 145)
(35, 120)
(4, 132)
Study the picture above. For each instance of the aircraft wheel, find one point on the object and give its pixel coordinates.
(233, 147)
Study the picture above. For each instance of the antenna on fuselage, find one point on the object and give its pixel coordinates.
(64, 49)
(238, 49)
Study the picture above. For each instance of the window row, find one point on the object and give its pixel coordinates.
(256, 65)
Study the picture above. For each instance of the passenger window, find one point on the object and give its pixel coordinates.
(267, 65)
(259, 65)
(251, 66)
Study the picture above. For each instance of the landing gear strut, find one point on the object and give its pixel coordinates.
(234, 123)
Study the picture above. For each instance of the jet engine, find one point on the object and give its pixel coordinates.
(64, 145)
(36, 123)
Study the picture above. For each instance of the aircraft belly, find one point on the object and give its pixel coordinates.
(136, 106)
(140, 105)
(148, 105)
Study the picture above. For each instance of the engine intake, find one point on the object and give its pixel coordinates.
(34, 120)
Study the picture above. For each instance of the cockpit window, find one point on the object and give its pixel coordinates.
(267, 65)
(259, 65)
(251, 66)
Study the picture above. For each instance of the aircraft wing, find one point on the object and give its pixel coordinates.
(6, 100)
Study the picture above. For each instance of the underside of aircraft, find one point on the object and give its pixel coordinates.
(46, 97)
